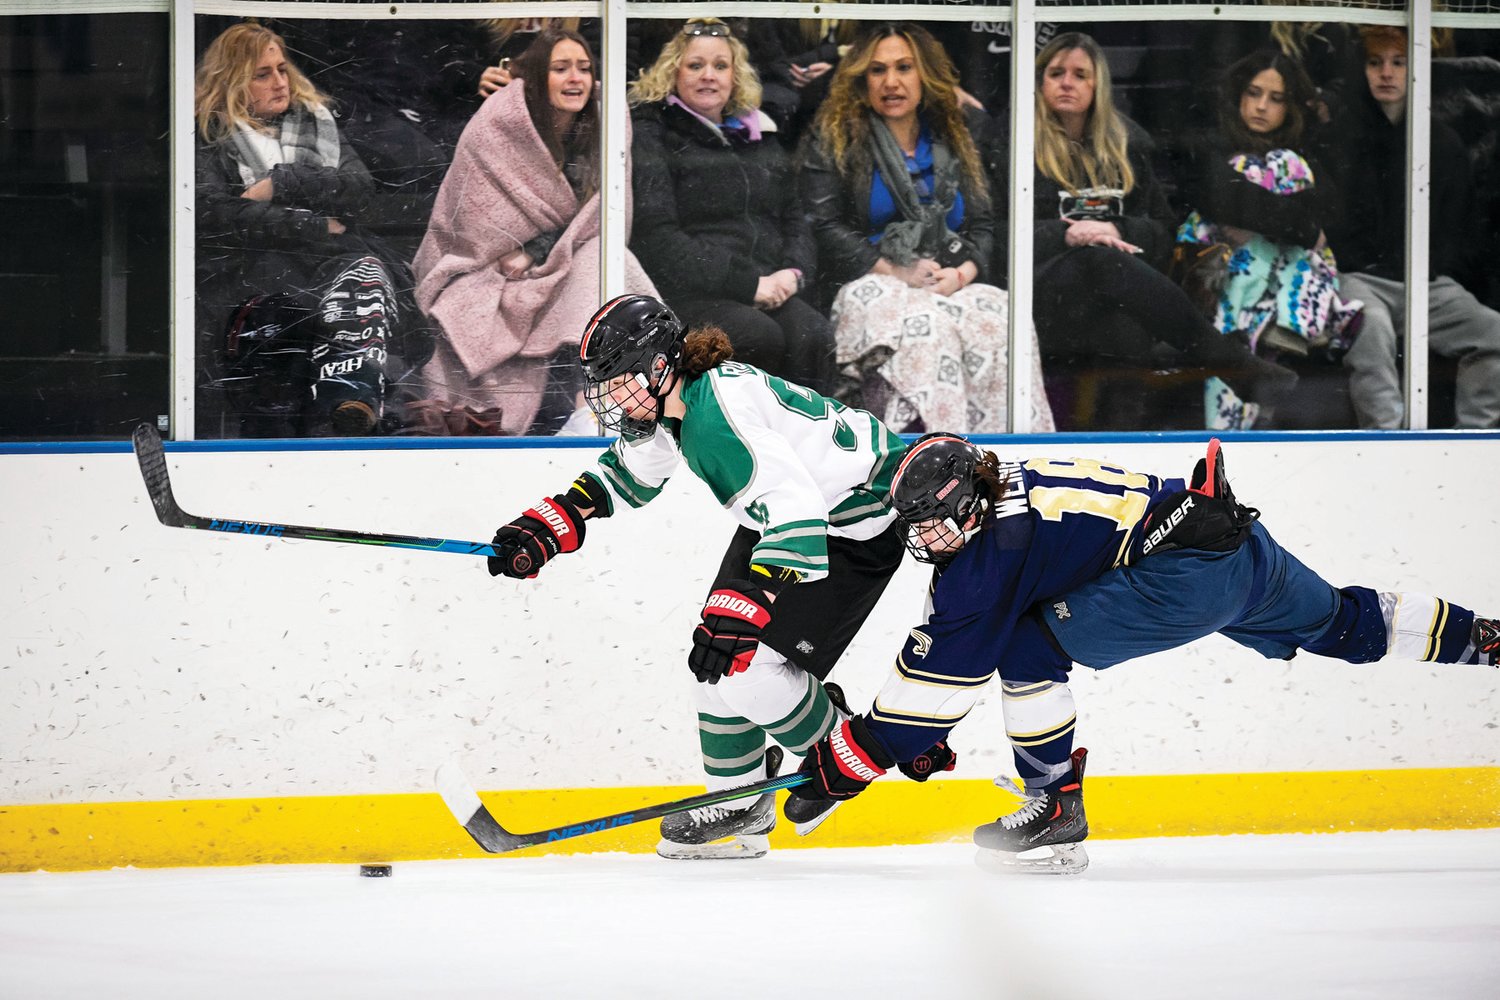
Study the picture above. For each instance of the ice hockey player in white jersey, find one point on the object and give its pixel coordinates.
(808, 480)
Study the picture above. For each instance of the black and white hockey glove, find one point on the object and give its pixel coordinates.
(733, 618)
(843, 763)
(940, 757)
(524, 545)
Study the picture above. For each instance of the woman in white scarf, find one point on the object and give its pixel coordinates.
(310, 304)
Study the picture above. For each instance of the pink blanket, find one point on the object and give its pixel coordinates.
(502, 190)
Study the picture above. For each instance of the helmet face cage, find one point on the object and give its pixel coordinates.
(633, 335)
(614, 400)
(935, 495)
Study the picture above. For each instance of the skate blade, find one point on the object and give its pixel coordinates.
(803, 829)
(1057, 859)
(742, 847)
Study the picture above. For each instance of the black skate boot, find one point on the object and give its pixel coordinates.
(1487, 640)
(722, 832)
(806, 814)
(1054, 820)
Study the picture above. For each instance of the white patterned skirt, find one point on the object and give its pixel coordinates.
(946, 358)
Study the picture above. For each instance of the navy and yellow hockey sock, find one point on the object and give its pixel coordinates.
(1040, 719)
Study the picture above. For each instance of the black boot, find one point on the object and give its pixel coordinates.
(806, 814)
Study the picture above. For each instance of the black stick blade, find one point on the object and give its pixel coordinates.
(148, 451)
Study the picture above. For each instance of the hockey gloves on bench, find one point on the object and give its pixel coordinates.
(843, 763)
(733, 618)
(524, 545)
(940, 757)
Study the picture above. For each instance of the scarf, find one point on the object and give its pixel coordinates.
(307, 135)
(733, 129)
(922, 229)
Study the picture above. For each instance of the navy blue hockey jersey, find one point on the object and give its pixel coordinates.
(1058, 524)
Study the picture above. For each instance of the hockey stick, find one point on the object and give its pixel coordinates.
(463, 802)
(148, 451)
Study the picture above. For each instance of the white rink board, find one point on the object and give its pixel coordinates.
(143, 663)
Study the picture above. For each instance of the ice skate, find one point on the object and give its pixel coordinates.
(806, 815)
(722, 832)
(1487, 640)
(1051, 822)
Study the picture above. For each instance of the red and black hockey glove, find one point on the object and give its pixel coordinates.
(939, 757)
(733, 618)
(843, 763)
(525, 544)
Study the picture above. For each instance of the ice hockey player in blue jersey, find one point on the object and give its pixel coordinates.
(1045, 563)
(808, 481)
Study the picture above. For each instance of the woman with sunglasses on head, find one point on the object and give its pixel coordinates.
(720, 230)
(1103, 235)
(510, 264)
(894, 184)
(807, 480)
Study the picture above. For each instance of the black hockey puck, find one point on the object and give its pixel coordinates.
(375, 871)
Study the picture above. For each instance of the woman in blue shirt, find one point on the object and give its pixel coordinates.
(894, 184)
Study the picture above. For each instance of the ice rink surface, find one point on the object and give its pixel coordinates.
(1356, 915)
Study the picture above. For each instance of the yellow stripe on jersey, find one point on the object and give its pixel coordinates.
(941, 680)
(1435, 634)
(926, 721)
(1416, 627)
(1021, 692)
(1042, 736)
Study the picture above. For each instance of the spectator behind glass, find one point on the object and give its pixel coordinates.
(508, 37)
(721, 230)
(309, 303)
(893, 183)
(1260, 200)
(1101, 235)
(510, 264)
(403, 92)
(1371, 237)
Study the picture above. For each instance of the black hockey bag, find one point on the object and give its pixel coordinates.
(1203, 516)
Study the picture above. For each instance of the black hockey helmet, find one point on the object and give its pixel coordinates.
(936, 486)
(630, 335)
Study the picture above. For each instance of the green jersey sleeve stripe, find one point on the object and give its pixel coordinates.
(857, 507)
(796, 529)
(815, 562)
(631, 489)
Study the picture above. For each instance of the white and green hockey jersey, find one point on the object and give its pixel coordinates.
(785, 461)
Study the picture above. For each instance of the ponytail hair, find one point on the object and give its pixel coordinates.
(704, 348)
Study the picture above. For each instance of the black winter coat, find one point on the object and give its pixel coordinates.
(1222, 195)
(1147, 220)
(263, 246)
(1370, 234)
(839, 209)
(712, 216)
